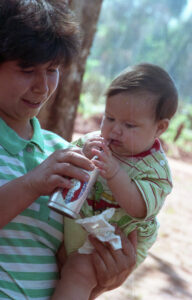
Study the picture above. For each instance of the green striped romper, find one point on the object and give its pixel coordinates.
(150, 172)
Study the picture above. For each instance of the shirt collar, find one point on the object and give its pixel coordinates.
(13, 143)
(156, 147)
(37, 137)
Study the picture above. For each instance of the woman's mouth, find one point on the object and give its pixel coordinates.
(32, 104)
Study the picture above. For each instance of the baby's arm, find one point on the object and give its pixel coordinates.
(123, 188)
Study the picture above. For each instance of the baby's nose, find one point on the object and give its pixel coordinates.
(116, 129)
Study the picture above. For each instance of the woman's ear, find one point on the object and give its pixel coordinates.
(162, 126)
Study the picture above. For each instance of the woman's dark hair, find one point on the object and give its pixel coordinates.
(37, 31)
(151, 79)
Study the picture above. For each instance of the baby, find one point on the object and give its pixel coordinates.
(134, 173)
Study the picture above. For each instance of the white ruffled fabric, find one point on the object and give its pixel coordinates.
(99, 227)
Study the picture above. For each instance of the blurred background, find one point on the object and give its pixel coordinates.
(131, 32)
(114, 35)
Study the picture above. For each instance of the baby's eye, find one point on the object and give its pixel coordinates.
(128, 125)
(110, 119)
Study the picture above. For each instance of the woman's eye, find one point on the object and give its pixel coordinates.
(26, 71)
(52, 70)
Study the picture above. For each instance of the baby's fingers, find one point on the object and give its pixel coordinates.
(101, 155)
(95, 145)
(106, 149)
(101, 166)
(96, 138)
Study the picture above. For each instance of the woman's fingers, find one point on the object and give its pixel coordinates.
(129, 249)
(112, 267)
(70, 171)
(71, 163)
(104, 264)
(75, 157)
(133, 238)
(103, 251)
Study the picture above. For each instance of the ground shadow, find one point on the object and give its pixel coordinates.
(175, 283)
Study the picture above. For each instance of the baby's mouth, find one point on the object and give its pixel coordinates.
(114, 142)
(108, 142)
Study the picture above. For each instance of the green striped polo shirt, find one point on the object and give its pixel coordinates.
(28, 244)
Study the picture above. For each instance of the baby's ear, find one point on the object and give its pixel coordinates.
(162, 126)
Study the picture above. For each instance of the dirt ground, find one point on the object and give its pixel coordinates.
(166, 274)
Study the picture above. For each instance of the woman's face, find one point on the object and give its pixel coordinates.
(23, 91)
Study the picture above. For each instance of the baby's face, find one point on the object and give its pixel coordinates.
(129, 123)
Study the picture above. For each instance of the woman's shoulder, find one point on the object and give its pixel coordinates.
(52, 139)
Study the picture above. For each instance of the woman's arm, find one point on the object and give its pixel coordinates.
(88, 276)
(77, 278)
(54, 172)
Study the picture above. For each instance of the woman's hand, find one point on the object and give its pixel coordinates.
(112, 267)
(96, 273)
(56, 171)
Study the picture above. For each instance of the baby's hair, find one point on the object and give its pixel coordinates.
(37, 31)
(151, 79)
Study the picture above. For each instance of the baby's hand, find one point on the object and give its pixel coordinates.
(106, 162)
(90, 144)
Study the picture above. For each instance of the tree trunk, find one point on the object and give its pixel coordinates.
(60, 112)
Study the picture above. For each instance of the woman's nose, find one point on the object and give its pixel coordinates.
(40, 84)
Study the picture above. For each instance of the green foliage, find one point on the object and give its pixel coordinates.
(131, 32)
(87, 107)
(184, 118)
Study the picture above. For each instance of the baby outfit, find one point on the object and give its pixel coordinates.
(151, 174)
